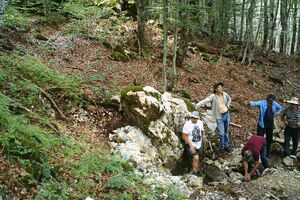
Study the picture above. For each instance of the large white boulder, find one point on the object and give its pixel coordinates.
(160, 117)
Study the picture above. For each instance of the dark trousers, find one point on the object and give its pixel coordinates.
(268, 130)
(288, 134)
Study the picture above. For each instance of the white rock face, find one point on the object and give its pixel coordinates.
(161, 118)
(132, 145)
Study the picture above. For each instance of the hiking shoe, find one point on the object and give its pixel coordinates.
(196, 173)
(227, 149)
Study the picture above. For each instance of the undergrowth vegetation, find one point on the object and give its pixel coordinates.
(51, 164)
(36, 149)
(58, 167)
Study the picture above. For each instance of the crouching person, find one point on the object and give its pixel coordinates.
(254, 147)
(193, 132)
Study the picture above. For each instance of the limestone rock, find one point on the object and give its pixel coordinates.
(194, 181)
(288, 162)
(235, 177)
(160, 117)
(213, 173)
(134, 146)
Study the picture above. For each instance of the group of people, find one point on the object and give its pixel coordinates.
(257, 146)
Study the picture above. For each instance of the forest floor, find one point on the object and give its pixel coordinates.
(90, 60)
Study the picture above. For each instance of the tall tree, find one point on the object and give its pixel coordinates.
(185, 34)
(234, 20)
(266, 25)
(211, 22)
(298, 37)
(176, 15)
(294, 32)
(283, 22)
(165, 45)
(2, 9)
(242, 21)
(141, 19)
(274, 12)
(249, 30)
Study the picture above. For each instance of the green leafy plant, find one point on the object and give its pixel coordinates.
(16, 19)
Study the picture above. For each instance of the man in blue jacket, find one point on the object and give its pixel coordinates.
(267, 110)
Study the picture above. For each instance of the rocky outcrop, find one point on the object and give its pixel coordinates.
(160, 117)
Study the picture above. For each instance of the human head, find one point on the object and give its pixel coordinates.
(248, 155)
(194, 116)
(270, 99)
(294, 103)
(218, 87)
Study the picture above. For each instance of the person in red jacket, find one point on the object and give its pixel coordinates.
(254, 147)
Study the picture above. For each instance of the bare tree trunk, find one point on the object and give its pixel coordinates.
(141, 19)
(234, 20)
(184, 38)
(283, 21)
(224, 17)
(242, 21)
(211, 24)
(165, 48)
(175, 43)
(249, 30)
(294, 27)
(2, 9)
(298, 38)
(251, 54)
(274, 19)
(266, 25)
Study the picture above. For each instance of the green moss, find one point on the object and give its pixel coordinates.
(154, 94)
(133, 88)
(185, 93)
(119, 48)
(117, 56)
(190, 106)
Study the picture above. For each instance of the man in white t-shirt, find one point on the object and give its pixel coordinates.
(192, 135)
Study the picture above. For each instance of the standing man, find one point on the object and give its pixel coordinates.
(267, 110)
(192, 134)
(220, 103)
(254, 147)
(291, 117)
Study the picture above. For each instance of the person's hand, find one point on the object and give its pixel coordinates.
(192, 148)
(247, 177)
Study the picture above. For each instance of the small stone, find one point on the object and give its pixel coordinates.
(288, 161)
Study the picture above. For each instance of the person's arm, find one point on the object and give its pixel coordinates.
(247, 175)
(283, 117)
(187, 141)
(256, 165)
(278, 108)
(228, 102)
(254, 103)
(205, 101)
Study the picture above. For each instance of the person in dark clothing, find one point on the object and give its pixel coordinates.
(291, 117)
(268, 109)
(254, 147)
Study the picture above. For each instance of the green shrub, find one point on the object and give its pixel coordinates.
(119, 183)
(16, 19)
(24, 73)
(81, 11)
(53, 190)
(24, 143)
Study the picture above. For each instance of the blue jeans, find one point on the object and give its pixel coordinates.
(223, 129)
(263, 157)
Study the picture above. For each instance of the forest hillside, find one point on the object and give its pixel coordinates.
(67, 67)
